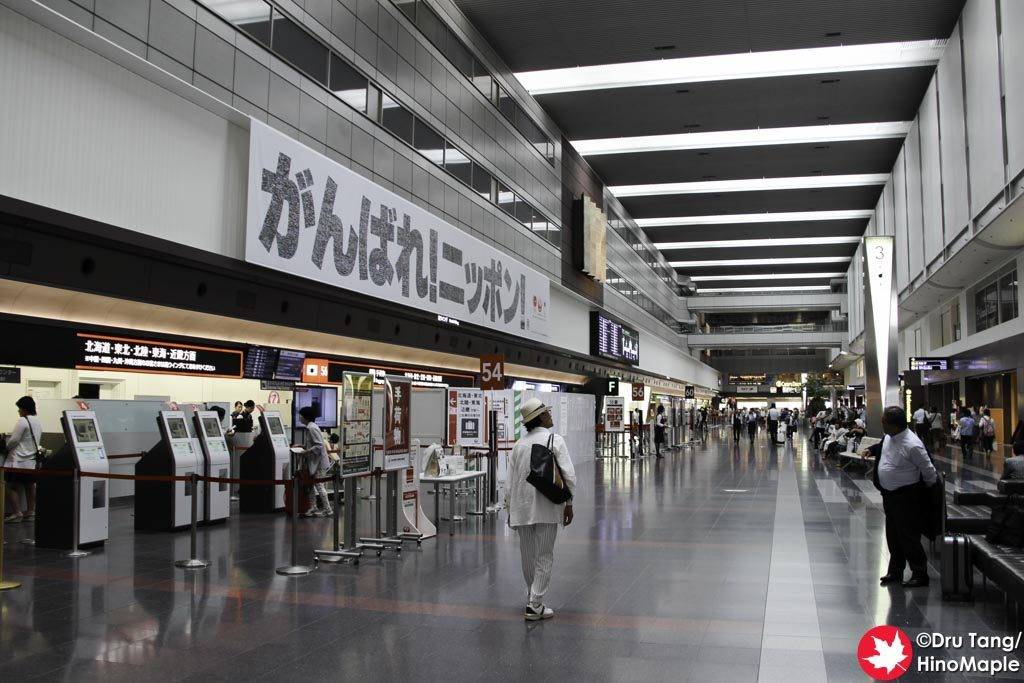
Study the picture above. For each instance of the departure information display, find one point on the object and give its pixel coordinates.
(929, 363)
(289, 365)
(610, 339)
(260, 362)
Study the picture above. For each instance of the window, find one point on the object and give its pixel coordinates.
(506, 199)
(250, 16)
(996, 302)
(481, 181)
(431, 25)
(458, 164)
(429, 143)
(348, 84)
(1008, 296)
(305, 52)
(396, 118)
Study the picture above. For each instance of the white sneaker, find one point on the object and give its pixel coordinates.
(326, 512)
(538, 613)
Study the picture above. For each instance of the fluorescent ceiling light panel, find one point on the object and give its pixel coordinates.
(795, 288)
(750, 185)
(767, 276)
(760, 261)
(819, 60)
(729, 218)
(766, 242)
(792, 135)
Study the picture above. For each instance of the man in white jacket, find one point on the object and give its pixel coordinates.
(530, 513)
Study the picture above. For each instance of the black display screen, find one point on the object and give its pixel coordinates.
(158, 357)
(929, 363)
(260, 362)
(289, 365)
(611, 339)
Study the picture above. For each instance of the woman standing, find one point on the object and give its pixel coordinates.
(660, 423)
(22, 452)
(530, 513)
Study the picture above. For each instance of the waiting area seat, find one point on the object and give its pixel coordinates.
(855, 453)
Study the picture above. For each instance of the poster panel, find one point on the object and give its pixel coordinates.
(356, 408)
(470, 418)
(397, 395)
(614, 413)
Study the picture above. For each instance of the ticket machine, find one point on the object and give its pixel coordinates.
(160, 505)
(269, 457)
(55, 496)
(216, 463)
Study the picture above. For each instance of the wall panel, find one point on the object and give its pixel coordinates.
(899, 196)
(984, 114)
(952, 137)
(1012, 20)
(915, 229)
(931, 174)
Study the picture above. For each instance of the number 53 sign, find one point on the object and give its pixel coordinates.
(492, 372)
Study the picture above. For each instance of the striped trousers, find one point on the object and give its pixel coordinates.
(537, 547)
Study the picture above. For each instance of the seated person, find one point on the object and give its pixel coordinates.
(1013, 468)
(836, 441)
(856, 430)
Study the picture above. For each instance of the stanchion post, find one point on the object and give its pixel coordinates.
(294, 569)
(76, 513)
(192, 562)
(337, 507)
(336, 554)
(4, 585)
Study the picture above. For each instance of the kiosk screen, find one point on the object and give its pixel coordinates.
(176, 427)
(275, 425)
(212, 427)
(85, 430)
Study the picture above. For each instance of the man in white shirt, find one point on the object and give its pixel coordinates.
(773, 423)
(530, 513)
(921, 422)
(902, 465)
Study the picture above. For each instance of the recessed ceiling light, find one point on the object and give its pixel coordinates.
(759, 261)
(767, 276)
(784, 217)
(794, 288)
(765, 242)
(819, 60)
(750, 185)
(744, 138)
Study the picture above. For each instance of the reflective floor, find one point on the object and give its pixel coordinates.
(719, 563)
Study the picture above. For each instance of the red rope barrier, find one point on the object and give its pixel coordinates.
(159, 477)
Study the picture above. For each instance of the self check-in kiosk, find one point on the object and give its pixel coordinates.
(84, 452)
(216, 463)
(269, 457)
(167, 505)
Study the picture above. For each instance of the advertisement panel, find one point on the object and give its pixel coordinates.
(356, 408)
(397, 395)
(614, 413)
(470, 418)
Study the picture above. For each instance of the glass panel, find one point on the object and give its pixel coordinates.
(251, 16)
(506, 105)
(396, 118)
(986, 312)
(482, 79)
(482, 181)
(506, 199)
(458, 53)
(1008, 296)
(305, 52)
(456, 163)
(524, 212)
(348, 84)
(429, 143)
(954, 314)
(408, 8)
(433, 28)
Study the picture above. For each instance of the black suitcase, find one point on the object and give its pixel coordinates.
(957, 567)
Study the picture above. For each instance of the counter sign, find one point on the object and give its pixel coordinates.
(141, 355)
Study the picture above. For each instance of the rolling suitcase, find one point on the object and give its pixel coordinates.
(957, 567)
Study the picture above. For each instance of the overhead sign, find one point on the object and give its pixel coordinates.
(10, 375)
(611, 339)
(918, 363)
(746, 389)
(100, 352)
(591, 240)
(689, 391)
(759, 378)
(314, 370)
(309, 216)
(638, 391)
(614, 413)
(492, 371)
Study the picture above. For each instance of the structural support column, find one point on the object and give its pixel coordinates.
(880, 330)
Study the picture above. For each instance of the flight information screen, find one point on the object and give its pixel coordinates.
(289, 365)
(260, 362)
(611, 339)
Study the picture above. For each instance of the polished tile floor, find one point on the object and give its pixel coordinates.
(719, 563)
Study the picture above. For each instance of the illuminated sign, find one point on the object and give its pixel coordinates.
(610, 339)
(929, 363)
(748, 379)
(100, 352)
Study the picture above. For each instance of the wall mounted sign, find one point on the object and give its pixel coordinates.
(918, 363)
(470, 418)
(689, 391)
(614, 413)
(638, 391)
(311, 217)
(10, 375)
(492, 371)
(590, 239)
(760, 378)
(101, 352)
(314, 371)
(612, 339)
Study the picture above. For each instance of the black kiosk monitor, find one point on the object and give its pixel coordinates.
(83, 451)
(216, 463)
(269, 457)
(167, 505)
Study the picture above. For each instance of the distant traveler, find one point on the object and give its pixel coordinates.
(921, 422)
(936, 432)
(1013, 468)
(22, 453)
(530, 513)
(987, 431)
(752, 424)
(967, 433)
(660, 423)
(902, 465)
(738, 417)
(316, 463)
(773, 423)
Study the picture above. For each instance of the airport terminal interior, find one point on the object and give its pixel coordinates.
(462, 340)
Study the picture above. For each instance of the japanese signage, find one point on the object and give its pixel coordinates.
(397, 395)
(760, 378)
(610, 339)
(311, 217)
(139, 355)
(746, 389)
(614, 413)
(492, 372)
(638, 391)
(314, 371)
(10, 375)
(470, 418)
(357, 408)
(917, 363)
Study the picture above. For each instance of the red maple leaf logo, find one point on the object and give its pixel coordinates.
(885, 653)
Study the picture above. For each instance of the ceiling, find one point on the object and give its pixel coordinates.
(536, 35)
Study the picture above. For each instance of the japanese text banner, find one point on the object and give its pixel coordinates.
(311, 217)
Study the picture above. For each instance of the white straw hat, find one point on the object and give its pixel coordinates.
(531, 409)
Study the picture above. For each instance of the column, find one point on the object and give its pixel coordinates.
(880, 330)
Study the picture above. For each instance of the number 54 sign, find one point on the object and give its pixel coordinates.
(492, 372)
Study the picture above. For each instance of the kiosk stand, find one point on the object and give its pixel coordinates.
(269, 457)
(160, 505)
(216, 463)
(72, 512)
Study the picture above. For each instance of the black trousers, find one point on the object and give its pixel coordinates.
(967, 445)
(903, 509)
(773, 430)
(737, 429)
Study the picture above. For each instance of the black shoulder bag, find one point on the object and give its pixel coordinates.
(545, 474)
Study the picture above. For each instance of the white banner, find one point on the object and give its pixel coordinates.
(311, 217)
(614, 413)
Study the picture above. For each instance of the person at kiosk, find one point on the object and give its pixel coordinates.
(317, 463)
(22, 448)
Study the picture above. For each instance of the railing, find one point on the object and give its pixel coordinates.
(838, 326)
(798, 292)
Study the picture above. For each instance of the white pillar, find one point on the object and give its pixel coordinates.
(880, 330)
